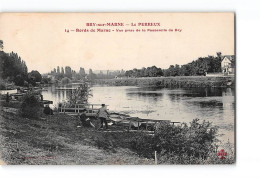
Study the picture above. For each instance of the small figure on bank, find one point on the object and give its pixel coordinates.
(47, 110)
(103, 115)
(85, 121)
(7, 97)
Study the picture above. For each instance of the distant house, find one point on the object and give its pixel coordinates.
(228, 64)
(52, 77)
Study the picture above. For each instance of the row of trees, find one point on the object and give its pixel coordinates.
(145, 72)
(14, 69)
(201, 66)
(108, 74)
(59, 73)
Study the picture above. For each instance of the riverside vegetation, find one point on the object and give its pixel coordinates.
(172, 82)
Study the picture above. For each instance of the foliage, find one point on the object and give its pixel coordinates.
(82, 73)
(145, 72)
(12, 68)
(1, 44)
(196, 140)
(34, 76)
(65, 80)
(172, 82)
(80, 94)
(31, 106)
(198, 67)
(194, 143)
(10, 104)
(2, 86)
(46, 80)
(68, 72)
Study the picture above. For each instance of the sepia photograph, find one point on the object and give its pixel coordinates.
(117, 88)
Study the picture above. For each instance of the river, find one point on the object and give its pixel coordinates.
(216, 105)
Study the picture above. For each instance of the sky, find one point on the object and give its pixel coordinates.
(41, 41)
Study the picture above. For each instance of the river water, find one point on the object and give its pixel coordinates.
(216, 105)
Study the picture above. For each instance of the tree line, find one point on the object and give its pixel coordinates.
(14, 69)
(68, 73)
(199, 67)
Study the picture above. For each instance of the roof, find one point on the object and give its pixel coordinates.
(231, 58)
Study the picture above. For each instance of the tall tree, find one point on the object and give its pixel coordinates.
(68, 72)
(1, 45)
(62, 71)
(58, 70)
(82, 73)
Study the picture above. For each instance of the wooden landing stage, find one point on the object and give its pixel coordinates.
(135, 123)
(77, 109)
(115, 119)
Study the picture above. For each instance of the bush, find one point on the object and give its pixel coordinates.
(180, 143)
(65, 80)
(143, 144)
(31, 106)
(196, 140)
(184, 144)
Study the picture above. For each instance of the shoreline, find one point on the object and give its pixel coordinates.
(57, 140)
(173, 82)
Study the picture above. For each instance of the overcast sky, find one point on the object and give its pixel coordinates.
(40, 39)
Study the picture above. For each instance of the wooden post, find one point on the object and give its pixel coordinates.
(154, 127)
(130, 125)
(138, 125)
(146, 125)
(155, 157)
(92, 109)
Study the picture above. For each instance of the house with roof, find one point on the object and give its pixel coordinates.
(228, 65)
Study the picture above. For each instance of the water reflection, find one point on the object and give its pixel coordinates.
(216, 105)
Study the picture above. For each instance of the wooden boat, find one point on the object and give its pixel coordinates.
(136, 123)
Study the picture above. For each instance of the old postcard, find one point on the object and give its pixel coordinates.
(117, 88)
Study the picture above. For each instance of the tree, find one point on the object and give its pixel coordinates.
(31, 107)
(65, 80)
(68, 72)
(177, 70)
(1, 45)
(82, 73)
(62, 70)
(58, 70)
(196, 67)
(46, 80)
(80, 95)
(12, 68)
(34, 76)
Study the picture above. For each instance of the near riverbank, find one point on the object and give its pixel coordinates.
(59, 139)
(172, 82)
(56, 140)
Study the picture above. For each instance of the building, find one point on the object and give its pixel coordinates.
(52, 77)
(228, 64)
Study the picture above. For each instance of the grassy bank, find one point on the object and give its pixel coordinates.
(57, 139)
(173, 82)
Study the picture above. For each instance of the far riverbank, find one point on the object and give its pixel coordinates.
(172, 82)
